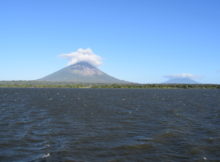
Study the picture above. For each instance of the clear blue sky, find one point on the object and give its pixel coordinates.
(139, 40)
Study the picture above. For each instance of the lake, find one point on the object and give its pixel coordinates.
(109, 124)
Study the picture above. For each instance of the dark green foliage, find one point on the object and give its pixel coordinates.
(44, 84)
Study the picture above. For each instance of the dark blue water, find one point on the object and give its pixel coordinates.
(109, 125)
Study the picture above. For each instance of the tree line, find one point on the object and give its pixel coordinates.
(43, 84)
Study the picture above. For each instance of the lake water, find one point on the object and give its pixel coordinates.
(109, 125)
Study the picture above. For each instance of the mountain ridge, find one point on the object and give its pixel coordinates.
(181, 81)
(81, 72)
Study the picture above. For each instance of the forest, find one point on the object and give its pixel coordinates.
(43, 84)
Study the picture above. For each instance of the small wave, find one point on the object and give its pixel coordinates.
(143, 138)
(46, 155)
(143, 146)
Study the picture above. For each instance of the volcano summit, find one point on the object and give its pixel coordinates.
(82, 72)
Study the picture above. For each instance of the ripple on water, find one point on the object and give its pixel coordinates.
(143, 146)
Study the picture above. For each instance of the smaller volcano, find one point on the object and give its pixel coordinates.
(82, 72)
(181, 81)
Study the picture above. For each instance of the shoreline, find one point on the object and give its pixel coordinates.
(34, 84)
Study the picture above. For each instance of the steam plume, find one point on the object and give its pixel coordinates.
(85, 55)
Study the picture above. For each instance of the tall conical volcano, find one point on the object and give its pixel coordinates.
(81, 72)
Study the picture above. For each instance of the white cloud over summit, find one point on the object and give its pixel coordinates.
(182, 75)
(85, 55)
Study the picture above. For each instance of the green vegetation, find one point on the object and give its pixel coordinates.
(43, 84)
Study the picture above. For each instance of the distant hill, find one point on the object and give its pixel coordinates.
(181, 81)
(82, 72)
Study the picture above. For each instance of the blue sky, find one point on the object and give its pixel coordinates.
(138, 40)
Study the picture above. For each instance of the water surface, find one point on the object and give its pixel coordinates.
(109, 124)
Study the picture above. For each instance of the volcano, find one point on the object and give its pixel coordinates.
(181, 81)
(82, 72)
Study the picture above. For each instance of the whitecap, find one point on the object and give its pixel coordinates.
(46, 155)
